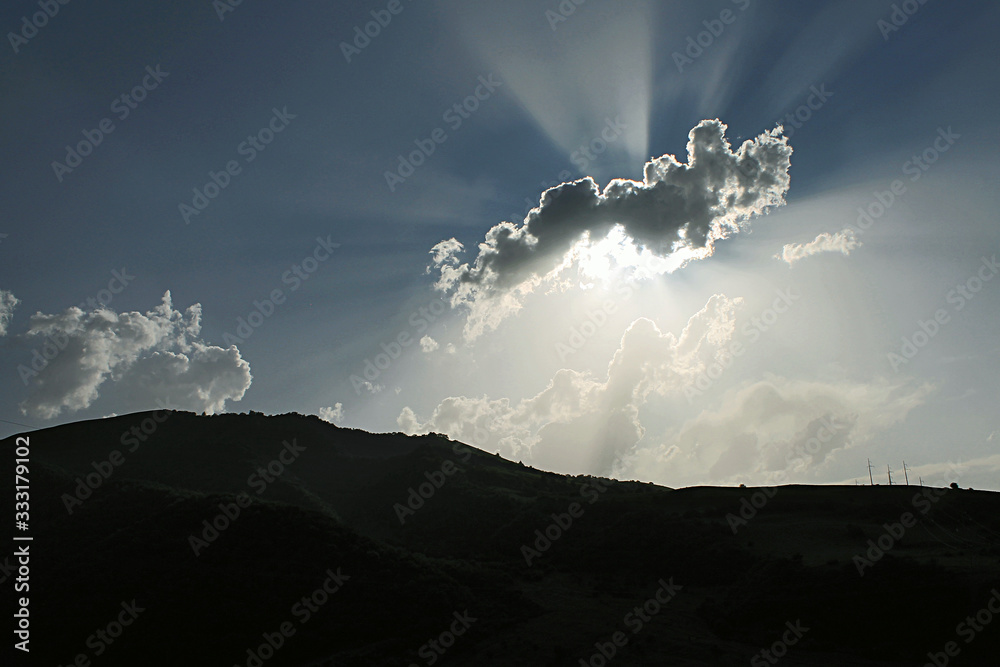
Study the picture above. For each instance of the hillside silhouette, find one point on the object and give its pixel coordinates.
(416, 538)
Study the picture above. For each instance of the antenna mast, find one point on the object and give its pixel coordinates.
(905, 476)
(889, 470)
(870, 479)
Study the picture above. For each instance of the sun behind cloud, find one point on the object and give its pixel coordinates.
(676, 214)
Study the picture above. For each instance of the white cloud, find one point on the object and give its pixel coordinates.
(763, 432)
(843, 242)
(146, 357)
(8, 302)
(980, 472)
(678, 209)
(579, 423)
(428, 344)
(370, 387)
(334, 415)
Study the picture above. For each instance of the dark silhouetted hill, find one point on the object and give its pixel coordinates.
(412, 533)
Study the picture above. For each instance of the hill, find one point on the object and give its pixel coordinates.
(170, 538)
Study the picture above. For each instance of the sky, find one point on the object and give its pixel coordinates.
(688, 243)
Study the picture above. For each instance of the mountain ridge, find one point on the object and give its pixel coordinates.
(241, 512)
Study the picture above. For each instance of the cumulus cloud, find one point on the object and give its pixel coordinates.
(677, 208)
(334, 415)
(8, 302)
(600, 418)
(370, 387)
(145, 356)
(428, 344)
(843, 242)
(777, 428)
(762, 429)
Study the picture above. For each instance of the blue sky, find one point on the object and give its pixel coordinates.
(495, 355)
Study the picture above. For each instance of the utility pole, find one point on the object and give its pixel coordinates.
(905, 476)
(889, 470)
(870, 479)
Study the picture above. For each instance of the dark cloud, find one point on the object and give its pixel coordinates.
(676, 206)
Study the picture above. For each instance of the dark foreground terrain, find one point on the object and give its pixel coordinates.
(175, 539)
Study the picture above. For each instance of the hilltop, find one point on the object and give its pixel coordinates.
(387, 549)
